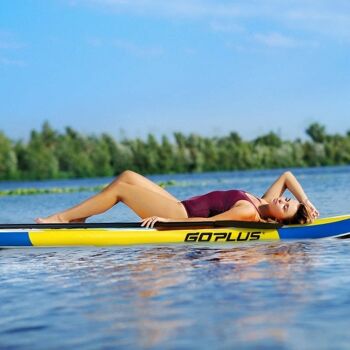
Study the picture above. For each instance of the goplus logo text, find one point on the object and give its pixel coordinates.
(223, 236)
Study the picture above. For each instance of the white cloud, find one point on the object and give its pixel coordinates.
(7, 42)
(173, 8)
(302, 9)
(127, 46)
(226, 27)
(95, 42)
(276, 40)
(313, 19)
(190, 51)
(331, 23)
(11, 62)
(137, 50)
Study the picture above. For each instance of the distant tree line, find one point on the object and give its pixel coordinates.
(49, 154)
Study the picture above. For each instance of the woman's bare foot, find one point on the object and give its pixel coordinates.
(53, 219)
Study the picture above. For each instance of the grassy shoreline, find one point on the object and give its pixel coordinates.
(71, 189)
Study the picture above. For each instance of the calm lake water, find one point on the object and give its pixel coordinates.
(280, 295)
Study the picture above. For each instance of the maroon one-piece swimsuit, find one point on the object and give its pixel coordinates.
(213, 203)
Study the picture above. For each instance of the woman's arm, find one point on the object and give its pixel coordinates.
(286, 181)
(240, 212)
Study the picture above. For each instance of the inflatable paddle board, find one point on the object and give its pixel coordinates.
(115, 234)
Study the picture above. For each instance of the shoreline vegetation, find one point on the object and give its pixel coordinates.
(75, 189)
(49, 154)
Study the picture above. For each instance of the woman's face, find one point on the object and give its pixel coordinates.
(283, 208)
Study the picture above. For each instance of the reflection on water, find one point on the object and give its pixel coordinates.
(184, 297)
(284, 295)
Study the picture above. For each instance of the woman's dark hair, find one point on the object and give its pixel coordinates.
(302, 216)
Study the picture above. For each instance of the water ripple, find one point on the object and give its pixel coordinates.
(284, 295)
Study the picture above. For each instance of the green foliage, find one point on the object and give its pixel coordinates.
(316, 132)
(32, 191)
(51, 154)
(271, 140)
(8, 159)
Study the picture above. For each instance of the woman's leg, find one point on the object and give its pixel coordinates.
(146, 200)
(133, 178)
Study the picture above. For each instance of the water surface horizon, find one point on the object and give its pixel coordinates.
(273, 295)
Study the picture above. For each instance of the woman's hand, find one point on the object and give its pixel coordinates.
(314, 212)
(150, 221)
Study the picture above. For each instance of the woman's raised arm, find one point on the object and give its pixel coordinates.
(288, 181)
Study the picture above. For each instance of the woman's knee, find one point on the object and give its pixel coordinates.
(125, 175)
(128, 176)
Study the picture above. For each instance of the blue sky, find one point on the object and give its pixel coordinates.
(204, 66)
